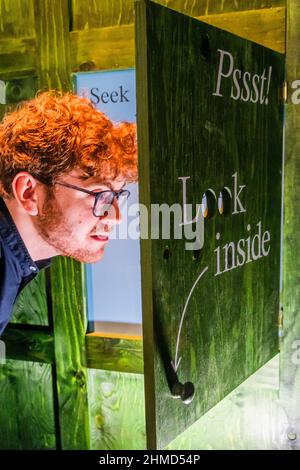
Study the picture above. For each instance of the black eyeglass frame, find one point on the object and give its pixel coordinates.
(96, 195)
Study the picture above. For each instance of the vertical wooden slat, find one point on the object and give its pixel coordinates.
(290, 351)
(52, 31)
(69, 322)
(26, 418)
(144, 196)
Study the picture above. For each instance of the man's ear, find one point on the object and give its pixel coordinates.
(24, 188)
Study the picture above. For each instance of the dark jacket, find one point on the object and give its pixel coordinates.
(16, 266)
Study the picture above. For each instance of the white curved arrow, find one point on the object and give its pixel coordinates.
(176, 363)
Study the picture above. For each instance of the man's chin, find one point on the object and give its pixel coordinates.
(90, 257)
(84, 256)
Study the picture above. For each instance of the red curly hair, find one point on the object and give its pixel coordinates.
(55, 133)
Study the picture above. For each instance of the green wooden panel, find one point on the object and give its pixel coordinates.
(249, 418)
(230, 324)
(69, 323)
(17, 57)
(103, 13)
(117, 410)
(290, 351)
(265, 26)
(52, 43)
(26, 418)
(116, 51)
(16, 18)
(124, 355)
(31, 306)
(28, 344)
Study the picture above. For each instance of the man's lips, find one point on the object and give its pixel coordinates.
(100, 238)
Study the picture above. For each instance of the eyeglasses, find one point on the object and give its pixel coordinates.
(103, 199)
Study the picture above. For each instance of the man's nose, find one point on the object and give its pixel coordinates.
(113, 214)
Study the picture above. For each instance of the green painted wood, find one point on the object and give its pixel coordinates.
(28, 344)
(290, 356)
(66, 276)
(249, 418)
(17, 57)
(111, 24)
(230, 327)
(26, 418)
(69, 321)
(31, 306)
(117, 410)
(16, 18)
(266, 26)
(52, 42)
(117, 49)
(105, 13)
(123, 355)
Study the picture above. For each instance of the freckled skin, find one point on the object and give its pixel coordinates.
(66, 222)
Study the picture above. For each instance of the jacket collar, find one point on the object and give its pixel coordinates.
(15, 244)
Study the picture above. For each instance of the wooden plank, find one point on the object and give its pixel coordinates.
(290, 355)
(210, 7)
(104, 13)
(266, 27)
(117, 410)
(249, 418)
(66, 275)
(98, 14)
(143, 105)
(17, 57)
(99, 49)
(214, 140)
(16, 18)
(69, 321)
(114, 354)
(52, 44)
(29, 344)
(31, 307)
(26, 418)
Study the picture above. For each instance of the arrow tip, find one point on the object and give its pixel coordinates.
(175, 364)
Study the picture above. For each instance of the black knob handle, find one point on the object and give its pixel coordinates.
(185, 392)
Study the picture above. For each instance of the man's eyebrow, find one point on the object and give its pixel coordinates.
(105, 184)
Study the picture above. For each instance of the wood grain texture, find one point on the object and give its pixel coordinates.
(290, 355)
(16, 18)
(17, 57)
(52, 43)
(29, 344)
(31, 307)
(266, 27)
(105, 13)
(26, 418)
(17, 38)
(69, 323)
(249, 418)
(117, 410)
(116, 50)
(114, 354)
(231, 332)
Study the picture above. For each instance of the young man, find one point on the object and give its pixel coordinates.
(63, 166)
